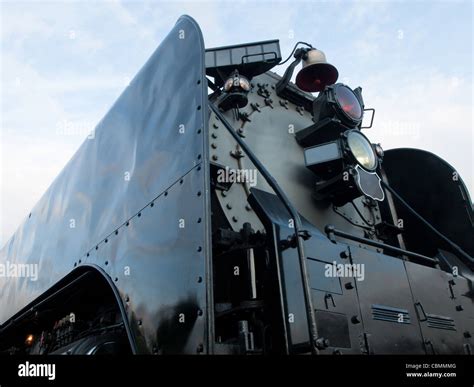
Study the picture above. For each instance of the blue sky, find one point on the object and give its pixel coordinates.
(64, 63)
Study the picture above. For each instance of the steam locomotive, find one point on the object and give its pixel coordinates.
(221, 209)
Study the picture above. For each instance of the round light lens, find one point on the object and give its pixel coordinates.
(236, 82)
(244, 84)
(362, 150)
(348, 102)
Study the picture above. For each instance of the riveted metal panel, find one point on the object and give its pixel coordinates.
(152, 137)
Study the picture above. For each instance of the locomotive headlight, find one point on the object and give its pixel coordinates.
(236, 82)
(336, 109)
(236, 87)
(347, 102)
(361, 149)
(345, 168)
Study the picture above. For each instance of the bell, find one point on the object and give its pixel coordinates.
(316, 73)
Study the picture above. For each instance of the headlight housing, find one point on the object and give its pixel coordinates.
(361, 150)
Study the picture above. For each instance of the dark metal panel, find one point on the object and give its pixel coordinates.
(436, 191)
(386, 291)
(288, 273)
(157, 262)
(154, 134)
(334, 297)
(441, 321)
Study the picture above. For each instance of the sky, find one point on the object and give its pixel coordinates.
(64, 63)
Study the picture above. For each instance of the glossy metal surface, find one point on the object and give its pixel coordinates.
(134, 201)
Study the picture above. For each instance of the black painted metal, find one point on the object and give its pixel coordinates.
(330, 230)
(437, 192)
(120, 203)
(297, 226)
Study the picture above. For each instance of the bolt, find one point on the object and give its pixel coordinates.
(355, 320)
(322, 343)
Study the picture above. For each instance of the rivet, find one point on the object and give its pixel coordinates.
(166, 193)
(181, 181)
(235, 219)
(116, 279)
(200, 348)
(213, 145)
(349, 285)
(215, 126)
(75, 264)
(199, 312)
(116, 232)
(106, 240)
(248, 207)
(199, 193)
(213, 135)
(459, 308)
(199, 157)
(127, 224)
(199, 82)
(139, 214)
(199, 249)
(199, 131)
(199, 279)
(224, 193)
(355, 320)
(97, 247)
(214, 157)
(80, 261)
(152, 204)
(106, 263)
(127, 299)
(88, 254)
(139, 323)
(199, 107)
(199, 220)
(229, 206)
